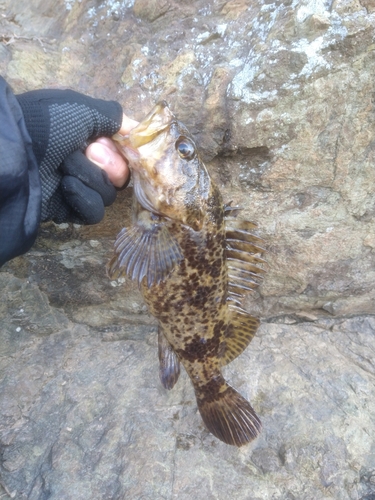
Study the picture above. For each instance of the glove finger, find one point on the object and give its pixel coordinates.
(85, 202)
(106, 116)
(77, 165)
(60, 121)
(57, 209)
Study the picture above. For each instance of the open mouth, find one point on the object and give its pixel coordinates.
(159, 118)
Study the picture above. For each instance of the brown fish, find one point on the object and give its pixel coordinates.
(193, 261)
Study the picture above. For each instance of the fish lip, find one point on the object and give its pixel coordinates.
(159, 119)
(131, 153)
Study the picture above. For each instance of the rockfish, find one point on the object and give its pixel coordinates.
(193, 262)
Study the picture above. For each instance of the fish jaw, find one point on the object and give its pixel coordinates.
(152, 126)
(157, 121)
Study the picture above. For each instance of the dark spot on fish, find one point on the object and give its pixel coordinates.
(222, 349)
(210, 391)
(195, 350)
(219, 329)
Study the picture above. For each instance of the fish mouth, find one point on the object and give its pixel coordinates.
(157, 121)
(154, 127)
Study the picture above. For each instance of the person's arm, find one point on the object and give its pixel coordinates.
(20, 189)
(46, 175)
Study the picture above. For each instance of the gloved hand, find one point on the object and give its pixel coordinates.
(60, 122)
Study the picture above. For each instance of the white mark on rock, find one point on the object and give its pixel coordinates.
(306, 8)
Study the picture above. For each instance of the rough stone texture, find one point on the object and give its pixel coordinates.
(280, 97)
(83, 414)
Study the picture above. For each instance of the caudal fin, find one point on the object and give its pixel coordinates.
(229, 417)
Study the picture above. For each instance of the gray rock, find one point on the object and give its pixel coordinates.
(83, 415)
(279, 97)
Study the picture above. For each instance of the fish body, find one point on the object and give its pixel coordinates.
(193, 263)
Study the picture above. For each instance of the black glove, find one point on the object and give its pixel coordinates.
(60, 122)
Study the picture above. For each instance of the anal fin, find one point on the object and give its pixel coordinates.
(169, 364)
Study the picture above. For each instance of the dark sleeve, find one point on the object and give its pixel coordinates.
(20, 189)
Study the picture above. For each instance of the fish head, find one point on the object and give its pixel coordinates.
(169, 178)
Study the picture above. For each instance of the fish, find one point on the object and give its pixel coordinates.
(194, 261)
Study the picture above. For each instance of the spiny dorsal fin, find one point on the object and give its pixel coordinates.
(231, 211)
(244, 261)
(240, 332)
(146, 249)
(169, 364)
(245, 269)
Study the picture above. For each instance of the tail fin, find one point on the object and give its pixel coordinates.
(229, 417)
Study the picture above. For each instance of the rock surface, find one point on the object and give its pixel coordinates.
(83, 414)
(280, 98)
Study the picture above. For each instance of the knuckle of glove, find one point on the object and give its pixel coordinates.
(86, 203)
(77, 165)
(61, 121)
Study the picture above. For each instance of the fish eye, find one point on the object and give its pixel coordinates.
(185, 148)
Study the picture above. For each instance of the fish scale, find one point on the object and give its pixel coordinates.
(193, 262)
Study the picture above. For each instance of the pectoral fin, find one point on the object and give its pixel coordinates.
(146, 249)
(169, 364)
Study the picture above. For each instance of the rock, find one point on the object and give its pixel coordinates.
(83, 414)
(280, 99)
(150, 10)
(284, 120)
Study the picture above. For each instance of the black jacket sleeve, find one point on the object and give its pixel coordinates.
(20, 188)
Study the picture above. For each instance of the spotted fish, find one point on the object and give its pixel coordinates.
(193, 261)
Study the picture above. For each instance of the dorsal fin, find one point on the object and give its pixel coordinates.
(231, 211)
(145, 249)
(244, 261)
(245, 268)
(240, 332)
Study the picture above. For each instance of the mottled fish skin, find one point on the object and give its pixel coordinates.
(191, 293)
